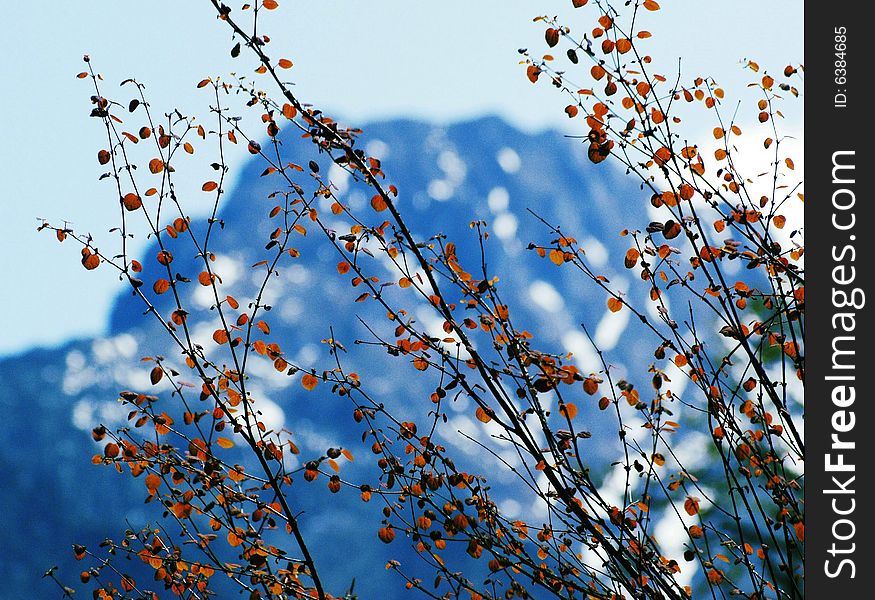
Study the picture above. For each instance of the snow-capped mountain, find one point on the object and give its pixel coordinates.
(448, 176)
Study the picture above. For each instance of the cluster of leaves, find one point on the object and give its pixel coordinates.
(189, 442)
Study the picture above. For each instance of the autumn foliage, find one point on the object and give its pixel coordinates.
(726, 283)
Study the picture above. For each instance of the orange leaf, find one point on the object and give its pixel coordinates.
(614, 305)
(90, 260)
(662, 156)
(153, 482)
(156, 165)
(386, 534)
(800, 530)
(132, 201)
(284, 63)
(309, 381)
(691, 505)
(224, 442)
(209, 186)
(557, 257)
(715, 576)
(234, 539)
(568, 410)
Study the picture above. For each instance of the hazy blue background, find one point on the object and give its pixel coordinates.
(359, 60)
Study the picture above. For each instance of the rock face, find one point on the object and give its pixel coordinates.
(448, 176)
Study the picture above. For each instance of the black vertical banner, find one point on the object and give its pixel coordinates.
(838, 219)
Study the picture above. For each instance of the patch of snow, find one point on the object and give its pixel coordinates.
(545, 296)
(585, 355)
(466, 425)
(440, 190)
(596, 252)
(510, 508)
(106, 350)
(83, 415)
(610, 329)
(272, 415)
(498, 200)
(297, 274)
(671, 537)
(340, 178)
(291, 310)
(453, 167)
(505, 226)
(75, 360)
(508, 160)
(307, 355)
(377, 149)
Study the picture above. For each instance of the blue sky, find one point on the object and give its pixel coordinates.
(439, 61)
